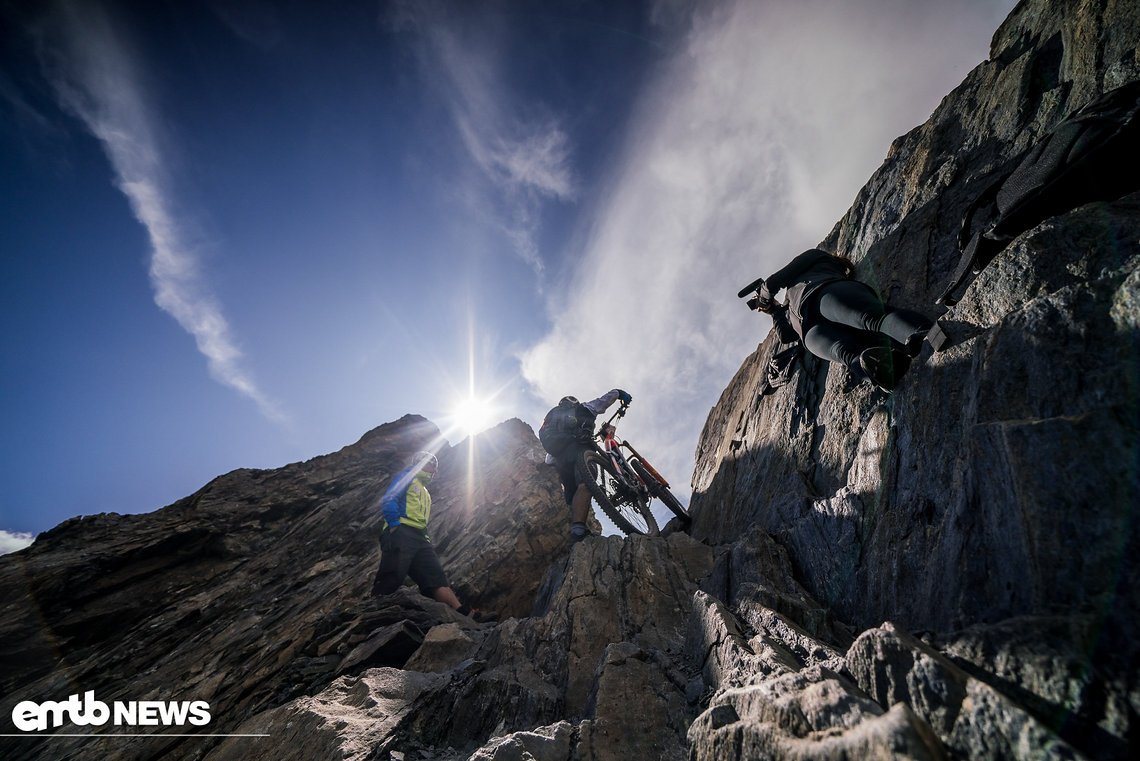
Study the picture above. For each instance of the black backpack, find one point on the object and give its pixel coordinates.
(1092, 155)
(568, 423)
(786, 355)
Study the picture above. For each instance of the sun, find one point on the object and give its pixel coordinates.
(472, 415)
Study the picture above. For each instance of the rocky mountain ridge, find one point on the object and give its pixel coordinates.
(229, 594)
(949, 572)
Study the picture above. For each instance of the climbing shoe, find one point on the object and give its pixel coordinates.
(578, 532)
(914, 343)
(884, 366)
(476, 615)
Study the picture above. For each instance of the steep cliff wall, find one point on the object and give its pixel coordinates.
(1000, 479)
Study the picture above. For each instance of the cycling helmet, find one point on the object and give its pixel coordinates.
(568, 400)
(423, 459)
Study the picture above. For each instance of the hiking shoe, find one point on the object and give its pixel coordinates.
(578, 532)
(476, 615)
(853, 377)
(884, 366)
(914, 343)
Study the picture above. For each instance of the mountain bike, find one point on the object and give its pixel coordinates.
(623, 482)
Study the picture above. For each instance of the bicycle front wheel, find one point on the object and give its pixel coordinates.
(627, 509)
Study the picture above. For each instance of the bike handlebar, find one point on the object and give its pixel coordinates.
(619, 413)
(753, 286)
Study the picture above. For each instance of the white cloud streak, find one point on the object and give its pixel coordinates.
(97, 80)
(524, 158)
(748, 148)
(14, 542)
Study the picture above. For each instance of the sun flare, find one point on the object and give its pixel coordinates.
(472, 415)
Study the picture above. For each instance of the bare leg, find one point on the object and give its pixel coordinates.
(446, 596)
(580, 507)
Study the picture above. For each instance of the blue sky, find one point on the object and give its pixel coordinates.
(241, 234)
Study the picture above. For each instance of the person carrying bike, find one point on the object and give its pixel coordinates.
(566, 432)
(405, 547)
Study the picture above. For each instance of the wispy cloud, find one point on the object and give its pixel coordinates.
(523, 154)
(748, 148)
(14, 542)
(255, 21)
(23, 112)
(96, 78)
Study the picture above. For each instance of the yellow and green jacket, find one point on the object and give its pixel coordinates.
(407, 500)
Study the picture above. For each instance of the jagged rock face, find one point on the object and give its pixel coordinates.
(999, 480)
(498, 529)
(254, 589)
(631, 658)
(889, 696)
(662, 648)
(600, 672)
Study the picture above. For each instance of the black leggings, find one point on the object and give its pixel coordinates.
(846, 317)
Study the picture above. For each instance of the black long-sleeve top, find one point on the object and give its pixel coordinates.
(802, 276)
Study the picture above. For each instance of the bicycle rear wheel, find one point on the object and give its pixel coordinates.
(628, 511)
(659, 490)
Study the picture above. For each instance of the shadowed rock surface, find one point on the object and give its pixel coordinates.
(946, 573)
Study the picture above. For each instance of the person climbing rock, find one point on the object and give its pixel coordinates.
(405, 546)
(841, 319)
(566, 432)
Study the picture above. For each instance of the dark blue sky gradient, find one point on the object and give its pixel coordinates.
(315, 175)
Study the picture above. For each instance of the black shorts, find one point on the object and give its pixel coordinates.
(405, 551)
(566, 463)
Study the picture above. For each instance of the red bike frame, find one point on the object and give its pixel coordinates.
(612, 446)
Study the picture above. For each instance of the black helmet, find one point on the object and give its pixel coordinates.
(567, 400)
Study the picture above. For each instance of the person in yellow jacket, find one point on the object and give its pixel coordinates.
(405, 546)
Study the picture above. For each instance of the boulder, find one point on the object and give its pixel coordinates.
(343, 721)
(443, 648)
(972, 718)
(553, 743)
(814, 714)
